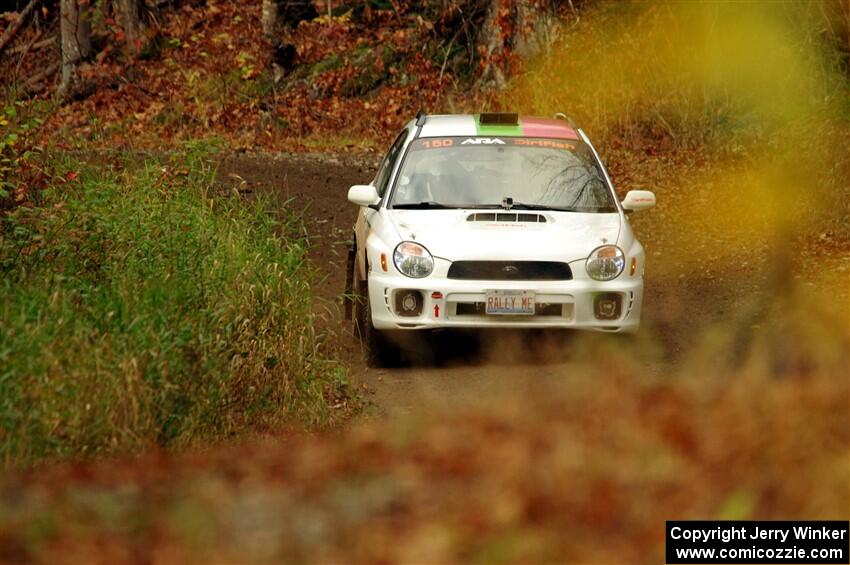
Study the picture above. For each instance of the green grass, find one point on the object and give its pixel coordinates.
(138, 308)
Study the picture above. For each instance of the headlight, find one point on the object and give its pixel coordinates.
(413, 260)
(605, 263)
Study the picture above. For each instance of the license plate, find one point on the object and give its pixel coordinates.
(510, 302)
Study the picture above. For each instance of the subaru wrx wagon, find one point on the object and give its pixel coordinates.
(492, 221)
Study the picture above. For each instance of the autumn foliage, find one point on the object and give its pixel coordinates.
(356, 76)
(618, 455)
(731, 403)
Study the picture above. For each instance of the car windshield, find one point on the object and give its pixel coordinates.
(477, 172)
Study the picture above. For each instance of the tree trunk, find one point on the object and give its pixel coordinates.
(491, 44)
(279, 18)
(75, 29)
(133, 22)
(512, 29)
(534, 27)
(271, 21)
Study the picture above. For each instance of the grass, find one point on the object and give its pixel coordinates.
(138, 308)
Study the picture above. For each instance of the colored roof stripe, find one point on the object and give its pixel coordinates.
(449, 125)
(470, 125)
(497, 130)
(547, 128)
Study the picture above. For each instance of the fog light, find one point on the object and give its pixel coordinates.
(607, 306)
(408, 303)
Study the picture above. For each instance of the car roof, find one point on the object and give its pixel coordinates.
(460, 125)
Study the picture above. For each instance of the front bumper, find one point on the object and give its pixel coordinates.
(562, 304)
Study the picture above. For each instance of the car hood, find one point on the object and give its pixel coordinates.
(563, 236)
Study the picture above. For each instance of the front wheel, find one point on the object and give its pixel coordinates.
(380, 351)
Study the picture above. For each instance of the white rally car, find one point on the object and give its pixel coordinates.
(493, 221)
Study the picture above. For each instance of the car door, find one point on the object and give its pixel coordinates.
(367, 216)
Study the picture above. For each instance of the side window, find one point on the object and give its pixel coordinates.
(388, 164)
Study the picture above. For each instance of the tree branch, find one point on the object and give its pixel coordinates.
(34, 46)
(13, 28)
(32, 83)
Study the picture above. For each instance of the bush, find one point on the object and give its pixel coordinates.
(692, 73)
(17, 125)
(139, 308)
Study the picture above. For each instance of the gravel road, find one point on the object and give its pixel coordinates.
(682, 297)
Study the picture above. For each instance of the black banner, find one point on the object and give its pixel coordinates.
(758, 542)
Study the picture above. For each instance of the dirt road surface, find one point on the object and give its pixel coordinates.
(471, 367)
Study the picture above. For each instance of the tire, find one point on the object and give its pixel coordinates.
(380, 351)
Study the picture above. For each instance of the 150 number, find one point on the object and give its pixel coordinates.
(433, 143)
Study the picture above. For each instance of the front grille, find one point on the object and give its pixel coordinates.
(510, 271)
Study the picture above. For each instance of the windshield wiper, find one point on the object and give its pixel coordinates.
(431, 205)
(522, 206)
(423, 206)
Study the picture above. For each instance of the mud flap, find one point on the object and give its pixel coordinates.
(348, 297)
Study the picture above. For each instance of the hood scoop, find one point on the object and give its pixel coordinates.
(507, 217)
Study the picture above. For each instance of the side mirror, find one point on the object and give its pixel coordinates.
(363, 195)
(636, 200)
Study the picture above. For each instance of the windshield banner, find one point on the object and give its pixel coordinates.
(441, 142)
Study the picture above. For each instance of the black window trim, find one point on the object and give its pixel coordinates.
(401, 138)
